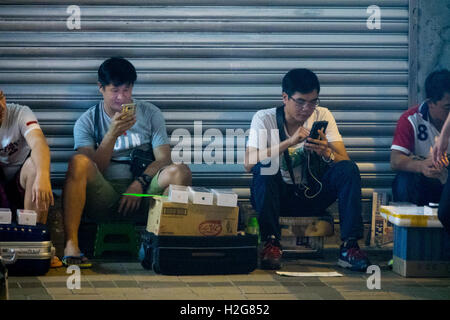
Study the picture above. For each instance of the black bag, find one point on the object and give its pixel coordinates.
(190, 255)
(139, 159)
(32, 246)
(313, 171)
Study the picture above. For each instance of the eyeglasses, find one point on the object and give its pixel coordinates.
(302, 104)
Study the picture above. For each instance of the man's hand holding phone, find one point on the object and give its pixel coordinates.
(122, 121)
(319, 146)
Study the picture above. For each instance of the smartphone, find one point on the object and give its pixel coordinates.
(129, 108)
(317, 125)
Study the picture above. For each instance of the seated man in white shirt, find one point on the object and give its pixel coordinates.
(313, 173)
(24, 161)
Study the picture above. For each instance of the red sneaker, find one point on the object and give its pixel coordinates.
(271, 254)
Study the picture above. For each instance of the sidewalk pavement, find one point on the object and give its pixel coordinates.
(125, 279)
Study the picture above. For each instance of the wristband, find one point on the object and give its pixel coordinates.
(144, 180)
(330, 159)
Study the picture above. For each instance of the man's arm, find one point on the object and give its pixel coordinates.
(40, 154)
(162, 158)
(402, 162)
(439, 153)
(252, 154)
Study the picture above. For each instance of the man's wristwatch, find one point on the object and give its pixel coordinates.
(144, 180)
(330, 158)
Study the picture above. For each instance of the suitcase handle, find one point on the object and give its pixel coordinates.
(12, 256)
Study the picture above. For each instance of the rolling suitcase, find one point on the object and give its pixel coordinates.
(32, 246)
(191, 255)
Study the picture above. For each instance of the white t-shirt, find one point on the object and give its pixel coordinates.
(18, 122)
(266, 120)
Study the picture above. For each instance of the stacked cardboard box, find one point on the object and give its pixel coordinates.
(194, 211)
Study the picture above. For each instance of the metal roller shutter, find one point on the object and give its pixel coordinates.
(202, 60)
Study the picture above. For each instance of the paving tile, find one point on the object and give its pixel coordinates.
(78, 297)
(168, 291)
(292, 284)
(328, 293)
(402, 296)
(286, 296)
(256, 283)
(23, 279)
(314, 284)
(103, 284)
(211, 291)
(222, 284)
(232, 297)
(13, 285)
(366, 296)
(307, 296)
(84, 291)
(29, 291)
(115, 297)
(252, 289)
(55, 284)
(167, 284)
(109, 291)
(17, 297)
(126, 283)
(40, 297)
(59, 291)
(206, 278)
(134, 296)
(199, 284)
(276, 289)
(29, 285)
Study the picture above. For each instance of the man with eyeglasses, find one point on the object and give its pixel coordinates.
(321, 169)
(418, 179)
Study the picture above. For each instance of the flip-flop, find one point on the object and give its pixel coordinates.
(80, 261)
(55, 262)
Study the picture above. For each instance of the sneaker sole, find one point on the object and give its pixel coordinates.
(346, 265)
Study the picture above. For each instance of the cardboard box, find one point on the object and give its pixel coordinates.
(226, 198)
(169, 218)
(5, 216)
(200, 195)
(178, 193)
(26, 217)
(382, 232)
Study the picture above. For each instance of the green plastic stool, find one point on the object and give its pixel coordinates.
(105, 230)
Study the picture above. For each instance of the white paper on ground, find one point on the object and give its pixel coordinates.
(309, 274)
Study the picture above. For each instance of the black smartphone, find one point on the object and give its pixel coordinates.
(317, 125)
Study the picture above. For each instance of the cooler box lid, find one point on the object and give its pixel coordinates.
(409, 216)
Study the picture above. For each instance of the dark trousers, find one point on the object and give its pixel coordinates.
(420, 190)
(272, 198)
(444, 208)
(416, 188)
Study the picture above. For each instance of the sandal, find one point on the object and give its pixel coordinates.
(80, 261)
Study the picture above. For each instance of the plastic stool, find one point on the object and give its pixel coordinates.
(106, 230)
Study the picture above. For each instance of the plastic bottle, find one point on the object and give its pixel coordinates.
(253, 227)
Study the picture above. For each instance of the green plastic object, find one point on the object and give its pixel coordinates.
(253, 227)
(106, 232)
